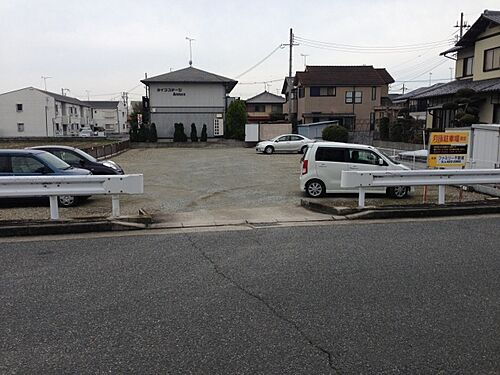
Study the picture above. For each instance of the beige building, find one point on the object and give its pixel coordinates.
(264, 107)
(347, 94)
(477, 56)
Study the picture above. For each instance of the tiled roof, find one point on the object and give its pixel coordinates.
(102, 104)
(414, 93)
(487, 85)
(364, 75)
(266, 98)
(479, 26)
(192, 75)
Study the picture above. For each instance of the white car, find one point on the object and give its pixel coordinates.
(284, 143)
(323, 163)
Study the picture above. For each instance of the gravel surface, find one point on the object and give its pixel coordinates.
(387, 298)
(190, 179)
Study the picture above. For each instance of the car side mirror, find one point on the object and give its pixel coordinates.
(380, 161)
(277, 140)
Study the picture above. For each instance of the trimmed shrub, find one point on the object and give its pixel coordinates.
(335, 133)
(236, 118)
(204, 137)
(179, 135)
(384, 128)
(153, 135)
(134, 136)
(194, 133)
(396, 132)
(143, 133)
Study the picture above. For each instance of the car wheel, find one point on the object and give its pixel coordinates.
(398, 192)
(303, 150)
(67, 200)
(269, 150)
(315, 188)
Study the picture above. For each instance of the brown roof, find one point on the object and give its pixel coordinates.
(364, 75)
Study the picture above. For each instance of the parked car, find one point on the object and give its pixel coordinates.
(284, 143)
(323, 163)
(39, 163)
(80, 159)
(86, 133)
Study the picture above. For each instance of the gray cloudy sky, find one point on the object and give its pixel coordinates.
(106, 46)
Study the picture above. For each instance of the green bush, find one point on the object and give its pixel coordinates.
(236, 118)
(203, 137)
(134, 136)
(194, 133)
(179, 135)
(396, 132)
(153, 135)
(143, 133)
(335, 133)
(384, 128)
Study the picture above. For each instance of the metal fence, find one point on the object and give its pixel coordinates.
(106, 150)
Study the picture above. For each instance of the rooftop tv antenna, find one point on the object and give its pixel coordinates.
(45, 78)
(190, 50)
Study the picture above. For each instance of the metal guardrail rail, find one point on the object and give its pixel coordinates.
(54, 186)
(424, 177)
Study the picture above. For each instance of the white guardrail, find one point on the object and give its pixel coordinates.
(422, 177)
(54, 186)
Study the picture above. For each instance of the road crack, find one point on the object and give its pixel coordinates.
(272, 309)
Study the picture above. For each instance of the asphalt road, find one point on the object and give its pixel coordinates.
(401, 297)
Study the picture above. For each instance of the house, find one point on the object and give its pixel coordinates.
(31, 112)
(109, 115)
(188, 96)
(477, 67)
(417, 108)
(347, 94)
(265, 107)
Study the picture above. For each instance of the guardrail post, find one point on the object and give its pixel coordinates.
(361, 200)
(441, 194)
(54, 208)
(115, 202)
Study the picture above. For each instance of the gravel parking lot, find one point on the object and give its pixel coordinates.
(190, 179)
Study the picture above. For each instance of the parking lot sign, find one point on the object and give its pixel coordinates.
(448, 149)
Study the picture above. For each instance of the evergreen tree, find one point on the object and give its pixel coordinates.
(204, 137)
(194, 133)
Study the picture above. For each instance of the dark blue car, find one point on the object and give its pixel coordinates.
(38, 163)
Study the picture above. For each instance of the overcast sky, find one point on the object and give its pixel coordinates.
(106, 46)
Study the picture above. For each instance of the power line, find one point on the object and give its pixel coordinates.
(260, 82)
(426, 44)
(345, 49)
(260, 62)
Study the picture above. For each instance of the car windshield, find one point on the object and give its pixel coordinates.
(85, 155)
(388, 157)
(53, 160)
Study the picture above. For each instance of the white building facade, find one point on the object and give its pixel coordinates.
(110, 116)
(31, 112)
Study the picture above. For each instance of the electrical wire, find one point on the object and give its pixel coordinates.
(341, 49)
(260, 62)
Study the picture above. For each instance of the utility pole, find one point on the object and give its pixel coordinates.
(430, 78)
(463, 25)
(451, 73)
(403, 88)
(45, 78)
(291, 54)
(190, 50)
(88, 95)
(125, 101)
(290, 44)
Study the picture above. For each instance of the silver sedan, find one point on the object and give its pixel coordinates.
(284, 143)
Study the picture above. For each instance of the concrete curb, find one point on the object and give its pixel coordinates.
(46, 227)
(399, 212)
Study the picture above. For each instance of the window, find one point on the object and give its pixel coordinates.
(68, 156)
(296, 138)
(330, 154)
(322, 91)
(57, 126)
(285, 138)
(19, 107)
(20, 127)
(353, 97)
(363, 157)
(5, 166)
(26, 164)
(294, 94)
(259, 108)
(468, 63)
(374, 93)
(491, 59)
(301, 92)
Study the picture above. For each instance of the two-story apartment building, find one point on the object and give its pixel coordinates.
(31, 112)
(477, 67)
(109, 115)
(347, 94)
(189, 96)
(264, 107)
